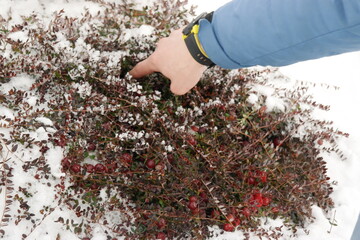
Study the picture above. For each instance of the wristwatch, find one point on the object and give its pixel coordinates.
(190, 36)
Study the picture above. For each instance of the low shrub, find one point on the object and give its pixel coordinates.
(141, 162)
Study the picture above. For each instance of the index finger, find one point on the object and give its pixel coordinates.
(143, 68)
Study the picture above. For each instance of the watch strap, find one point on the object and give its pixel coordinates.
(192, 41)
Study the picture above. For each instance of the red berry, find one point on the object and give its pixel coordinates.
(76, 168)
(100, 168)
(276, 141)
(266, 201)
(257, 195)
(228, 227)
(161, 236)
(193, 199)
(230, 217)
(192, 205)
(110, 167)
(195, 211)
(91, 147)
(246, 212)
(256, 200)
(236, 222)
(204, 197)
(251, 181)
(150, 163)
(262, 176)
(90, 168)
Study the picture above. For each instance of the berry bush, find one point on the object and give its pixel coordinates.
(139, 161)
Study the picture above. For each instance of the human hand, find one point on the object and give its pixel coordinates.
(174, 61)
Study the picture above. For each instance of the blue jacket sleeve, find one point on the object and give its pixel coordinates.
(246, 33)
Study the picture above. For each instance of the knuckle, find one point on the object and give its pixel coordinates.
(177, 91)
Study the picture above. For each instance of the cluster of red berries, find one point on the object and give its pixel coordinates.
(124, 160)
(193, 204)
(232, 223)
(151, 164)
(259, 200)
(97, 168)
(89, 168)
(255, 201)
(255, 177)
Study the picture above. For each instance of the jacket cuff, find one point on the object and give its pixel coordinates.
(212, 47)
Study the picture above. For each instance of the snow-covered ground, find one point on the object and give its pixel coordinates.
(342, 71)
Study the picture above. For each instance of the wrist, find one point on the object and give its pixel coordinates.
(193, 44)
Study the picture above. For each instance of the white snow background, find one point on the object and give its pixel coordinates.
(342, 71)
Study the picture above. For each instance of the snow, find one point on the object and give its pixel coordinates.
(21, 82)
(143, 30)
(54, 157)
(7, 113)
(19, 36)
(342, 71)
(44, 121)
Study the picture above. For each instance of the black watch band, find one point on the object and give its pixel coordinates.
(192, 41)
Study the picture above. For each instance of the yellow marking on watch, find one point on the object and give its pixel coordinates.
(195, 31)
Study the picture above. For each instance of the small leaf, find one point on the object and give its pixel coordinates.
(14, 148)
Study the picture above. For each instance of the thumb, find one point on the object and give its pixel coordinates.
(143, 68)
